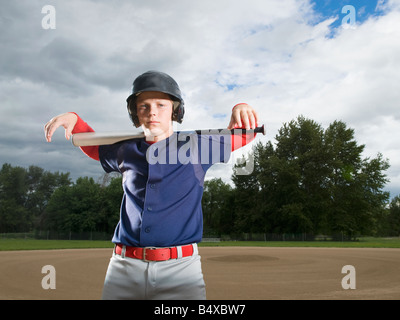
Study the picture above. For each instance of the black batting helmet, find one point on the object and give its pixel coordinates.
(160, 82)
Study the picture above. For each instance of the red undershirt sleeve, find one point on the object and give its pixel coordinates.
(82, 126)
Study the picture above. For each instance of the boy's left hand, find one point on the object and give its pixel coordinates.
(243, 116)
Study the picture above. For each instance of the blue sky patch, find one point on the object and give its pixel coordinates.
(219, 115)
(343, 10)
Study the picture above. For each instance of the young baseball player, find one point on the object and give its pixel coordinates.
(156, 254)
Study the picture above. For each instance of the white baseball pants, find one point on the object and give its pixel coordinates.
(175, 279)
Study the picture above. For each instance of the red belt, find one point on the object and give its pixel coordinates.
(154, 254)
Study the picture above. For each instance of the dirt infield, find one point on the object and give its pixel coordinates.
(230, 273)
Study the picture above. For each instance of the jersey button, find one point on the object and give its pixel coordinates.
(147, 230)
(150, 208)
(152, 186)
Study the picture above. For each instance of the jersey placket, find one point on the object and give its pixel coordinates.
(149, 200)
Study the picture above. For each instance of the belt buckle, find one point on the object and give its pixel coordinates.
(144, 253)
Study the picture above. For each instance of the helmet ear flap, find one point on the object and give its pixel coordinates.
(179, 111)
(131, 106)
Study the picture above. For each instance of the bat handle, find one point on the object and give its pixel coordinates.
(233, 131)
(255, 130)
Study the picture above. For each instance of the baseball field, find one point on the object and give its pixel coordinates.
(251, 271)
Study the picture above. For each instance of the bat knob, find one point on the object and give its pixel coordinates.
(260, 130)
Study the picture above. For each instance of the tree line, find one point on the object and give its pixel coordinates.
(34, 199)
(312, 181)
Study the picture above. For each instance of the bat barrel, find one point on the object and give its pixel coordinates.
(85, 139)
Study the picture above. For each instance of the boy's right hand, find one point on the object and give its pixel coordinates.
(67, 120)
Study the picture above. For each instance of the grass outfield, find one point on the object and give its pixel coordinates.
(31, 244)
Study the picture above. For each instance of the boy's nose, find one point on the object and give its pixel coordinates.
(153, 109)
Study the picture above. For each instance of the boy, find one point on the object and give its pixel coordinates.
(156, 255)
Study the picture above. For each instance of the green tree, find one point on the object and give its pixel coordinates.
(111, 196)
(41, 185)
(85, 206)
(75, 208)
(355, 185)
(263, 189)
(393, 218)
(14, 217)
(217, 206)
(255, 201)
(24, 194)
(313, 181)
(301, 174)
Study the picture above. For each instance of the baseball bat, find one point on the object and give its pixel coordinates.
(85, 139)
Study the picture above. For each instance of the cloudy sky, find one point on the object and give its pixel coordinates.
(284, 57)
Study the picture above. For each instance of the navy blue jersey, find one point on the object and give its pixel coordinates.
(163, 186)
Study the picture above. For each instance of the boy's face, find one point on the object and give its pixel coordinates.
(154, 110)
